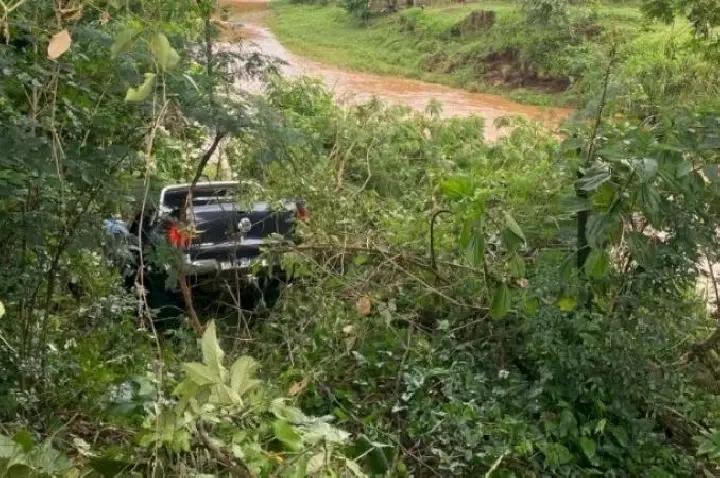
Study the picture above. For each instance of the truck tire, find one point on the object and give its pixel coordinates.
(166, 305)
(270, 289)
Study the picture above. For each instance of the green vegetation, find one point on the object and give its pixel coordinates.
(457, 308)
(531, 61)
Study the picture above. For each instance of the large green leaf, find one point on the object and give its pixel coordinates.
(531, 305)
(597, 264)
(567, 304)
(374, 457)
(20, 470)
(476, 247)
(645, 168)
(223, 395)
(650, 200)
(500, 304)
(597, 230)
(286, 412)
(212, 354)
(323, 432)
(316, 463)
(50, 460)
(166, 56)
(287, 434)
(201, 374)
(143, 91)
(592, 182)
(513, 226)
(574, 205)
(123, 40)
(242, 375)
(457, 188)
(588, 446)
(25, 440)
(556, 454)
(516, 266)
(8, 448)
(354, 468)
(683, 169)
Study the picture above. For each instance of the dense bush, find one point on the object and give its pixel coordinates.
(458, 308)
(493, 359)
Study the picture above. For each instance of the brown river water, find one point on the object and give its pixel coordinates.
(349, 86)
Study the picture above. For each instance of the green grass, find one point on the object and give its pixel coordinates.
(325, 34)
(429, 52)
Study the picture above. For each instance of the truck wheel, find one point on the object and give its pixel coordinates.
(166, 304)
(270, 290)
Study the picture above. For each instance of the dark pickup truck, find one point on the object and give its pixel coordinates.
(215, 241)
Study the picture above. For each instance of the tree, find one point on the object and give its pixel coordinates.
(702, 14)
(546, 11)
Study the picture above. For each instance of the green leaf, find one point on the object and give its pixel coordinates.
(592, 182)
(588, 446)
(50, 460)
(223, 395)
(500, 304)
(25, 440)
(516, 266)
(646, 168)
(316, 463)
(285, 412)
(354, 468)
(123, 40)
(650, 201)
(513, 227)
(8, 448)
(361, 259)
(143, 91)
(531, 305)
(556, 454)
(574, 205)
(287, 434)
(167, 57)
(621, 435)
(19, 470)
(457, 188)
(212, 354)
(201, 374)
(597, 230)
(600, 426)
(597, 264)
(242, 375)
(321, 431)
(374, 457)
(567, 304)
(476, 249)
(683, 169)
(110, 466)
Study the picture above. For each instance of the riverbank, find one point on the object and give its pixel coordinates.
(496, 52)
(352, 87)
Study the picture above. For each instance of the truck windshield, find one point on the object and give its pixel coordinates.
(174, 199)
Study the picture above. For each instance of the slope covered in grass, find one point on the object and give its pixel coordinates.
(535, 63)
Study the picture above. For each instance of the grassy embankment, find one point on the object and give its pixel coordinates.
(531, 63)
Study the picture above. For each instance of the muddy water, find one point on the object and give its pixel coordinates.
(352, 86)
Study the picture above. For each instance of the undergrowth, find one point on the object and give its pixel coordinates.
(456, 308)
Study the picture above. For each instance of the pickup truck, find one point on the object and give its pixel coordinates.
(215, 241)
